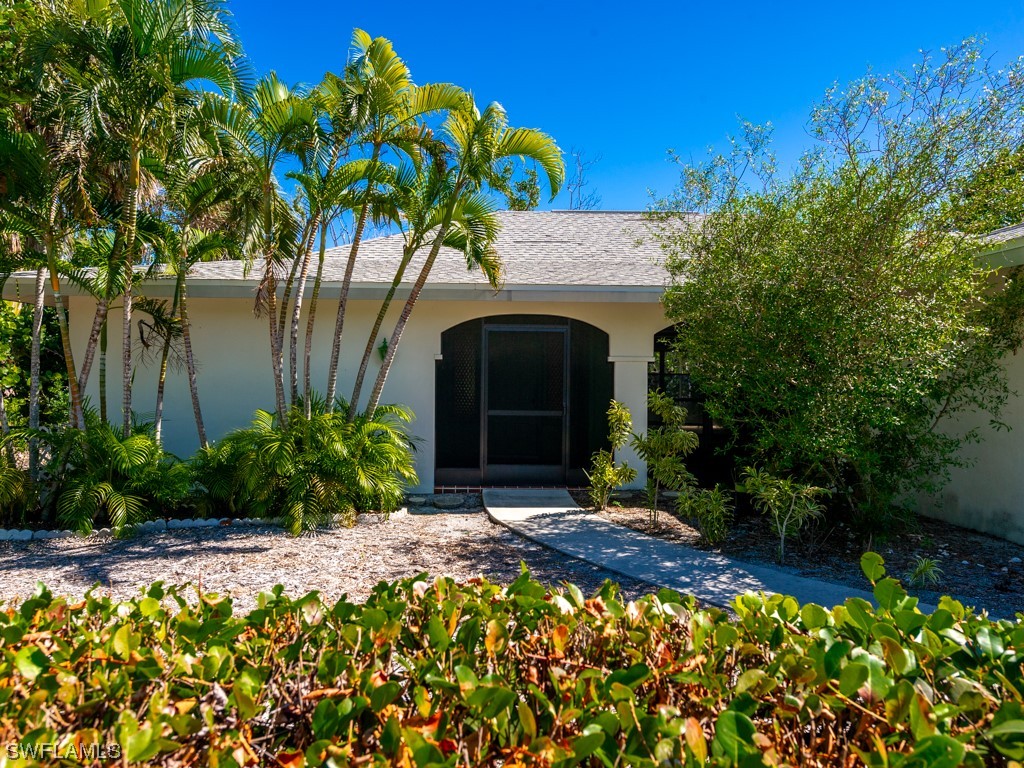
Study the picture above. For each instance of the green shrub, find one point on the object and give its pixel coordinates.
(664, 449)
(788, 503)
(430, 673)
(16, 493)
(98, 477)
(605, 475)
(925, 572)
(712, 510)
(870, 369)
(312, 472)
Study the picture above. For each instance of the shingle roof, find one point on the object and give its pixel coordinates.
(1006, 234)
(574, 248)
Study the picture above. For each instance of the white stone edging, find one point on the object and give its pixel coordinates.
(153, 526)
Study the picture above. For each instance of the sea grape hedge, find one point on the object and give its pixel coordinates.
(429, 673)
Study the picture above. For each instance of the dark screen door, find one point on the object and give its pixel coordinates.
(525, 398)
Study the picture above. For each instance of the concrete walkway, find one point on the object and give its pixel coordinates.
(552, 518)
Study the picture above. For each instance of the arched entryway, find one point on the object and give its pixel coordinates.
(521, 400)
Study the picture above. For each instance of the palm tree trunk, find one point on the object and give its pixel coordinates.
(286, 298)
(311, 320)
(339, 323)
(126, 354)
(129, 263)
(161, 384)
(5, 429)
(403, 319)
(371, 341)
(190, 363)
(165, 353)
(77, 418)
(300, 289)
(99, 320)
(35, 382)
(103, 373)
(270, 286)
(277, 364)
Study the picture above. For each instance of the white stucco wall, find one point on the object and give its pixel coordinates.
(988, 494)
(233, 357)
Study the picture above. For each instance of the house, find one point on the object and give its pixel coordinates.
(508, 387)
(987, 493)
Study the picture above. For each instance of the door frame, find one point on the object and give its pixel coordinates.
(517, 473)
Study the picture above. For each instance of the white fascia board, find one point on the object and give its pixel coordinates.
(235, 289)
(20, 287)
(1008, 254)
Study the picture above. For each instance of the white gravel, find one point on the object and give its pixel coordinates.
(243, 560)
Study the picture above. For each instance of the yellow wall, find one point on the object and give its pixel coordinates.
(232, 352)
(988, 493)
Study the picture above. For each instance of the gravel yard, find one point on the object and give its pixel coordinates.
(244, 561)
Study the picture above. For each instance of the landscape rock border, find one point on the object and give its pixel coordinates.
(158, 526)
(423, 503)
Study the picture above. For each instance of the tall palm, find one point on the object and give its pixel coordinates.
(185, 244)
(96, 268)
(420, 195)
(135, 64)
(329, 191)
(388, 109)
(264, 129)
(45, 200)
(480, 143)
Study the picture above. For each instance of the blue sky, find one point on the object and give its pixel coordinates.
(629, 80)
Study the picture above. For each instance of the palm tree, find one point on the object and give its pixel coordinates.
(420, 195)
(135, 64)
(35, 370)
(96, 268)
(329, 192)
(185, 247)
(45, 200)
(387, 108)
(479, 142)
(263, 129)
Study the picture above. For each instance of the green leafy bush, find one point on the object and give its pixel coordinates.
(316, 470)
(664, 449)
(605, 475)
(869, 369)
(789, 504)
(711, 508)
(15, 492)
(99, 477)
(431, 673)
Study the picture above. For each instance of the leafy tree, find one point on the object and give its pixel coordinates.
(522, 193)
(836, 320)
(992, 197)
